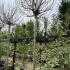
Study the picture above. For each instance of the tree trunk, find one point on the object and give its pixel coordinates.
(8, 45)
(35, 34)
(34, 46)
(62, 67)
(37, 25)
(14, 56)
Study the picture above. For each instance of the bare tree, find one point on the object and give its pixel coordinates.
(35, 8)
(8, 17)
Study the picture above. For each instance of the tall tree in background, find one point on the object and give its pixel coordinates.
(25, 30)
(45, 28)
(20, 31)
(8, 16)
(64, 15)
(29, 28)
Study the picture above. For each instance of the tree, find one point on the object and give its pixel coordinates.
(64, 15)
(37, 8)
(25, 30)
(29, 28)
(45, 29)
(20, 30)
(8, 16)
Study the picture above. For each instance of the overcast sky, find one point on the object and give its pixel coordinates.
(11, 3)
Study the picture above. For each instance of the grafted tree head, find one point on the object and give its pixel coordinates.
(9, 23)
(35, 7)
(8, 15)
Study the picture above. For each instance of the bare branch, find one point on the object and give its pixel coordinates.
(13, 12)
(7, 15)
(36, 6)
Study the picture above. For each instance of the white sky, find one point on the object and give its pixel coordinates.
(11, 3)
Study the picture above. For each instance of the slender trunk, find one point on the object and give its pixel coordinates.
(41, 67)
(40, 63)
(45, 36)
(8, 46)
(34, 46)
(9, 28)
(62, 67)
(37, 24)
(14, 56)
(45, 28)
(35, 34)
